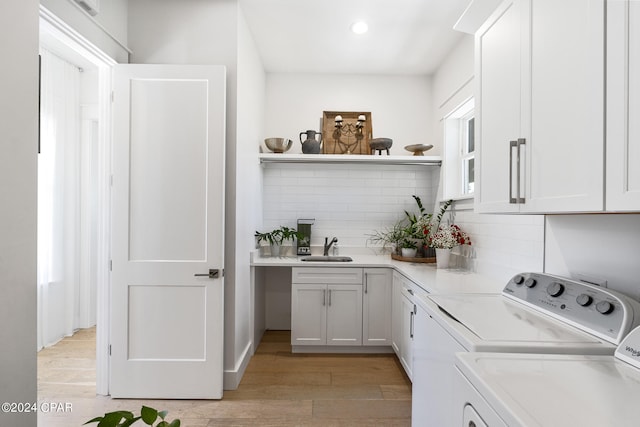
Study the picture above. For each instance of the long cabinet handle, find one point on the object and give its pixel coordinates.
(366, 282)
(324, 297)
(329, 297)
(512, 145)
(521, 142)
(411, 324)
(517, 144)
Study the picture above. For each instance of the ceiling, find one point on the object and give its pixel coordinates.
(313, 36)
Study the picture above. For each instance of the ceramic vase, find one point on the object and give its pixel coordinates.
(275, 250)
(408, 252)
(442, 257)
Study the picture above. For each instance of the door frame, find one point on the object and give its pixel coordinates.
(74, 40)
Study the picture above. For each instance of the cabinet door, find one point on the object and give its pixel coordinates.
(308, 314)
(396, 314)
(376, 319)
(540, 69)
(499, 99)
(564, 165)
(406, 349)
(623, 105)
(344, 315)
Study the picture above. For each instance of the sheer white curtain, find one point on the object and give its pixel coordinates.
(59, 287)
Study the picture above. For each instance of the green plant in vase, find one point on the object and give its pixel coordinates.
(390, 237)
(277, 237)
(408, 247)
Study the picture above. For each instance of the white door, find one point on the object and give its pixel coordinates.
(168, 227)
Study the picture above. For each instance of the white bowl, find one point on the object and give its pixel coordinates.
(278, 145)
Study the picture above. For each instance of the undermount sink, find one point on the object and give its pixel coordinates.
(325, 258)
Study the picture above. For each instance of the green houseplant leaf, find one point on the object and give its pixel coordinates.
(149, 415)
(125, 418)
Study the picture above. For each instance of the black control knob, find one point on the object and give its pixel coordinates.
(555, 289)
(518, 280)
(604, 307)
(584, 300)
(530, 282)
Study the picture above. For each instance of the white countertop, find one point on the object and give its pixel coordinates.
(427, 276)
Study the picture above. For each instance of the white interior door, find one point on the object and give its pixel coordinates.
(168, 224)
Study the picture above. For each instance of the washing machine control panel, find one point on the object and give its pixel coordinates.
(601, 311)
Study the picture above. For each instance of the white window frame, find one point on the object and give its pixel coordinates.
(454, 172)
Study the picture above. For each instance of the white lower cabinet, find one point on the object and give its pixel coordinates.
(308, 314)
(344, 314)
(326, 307)
(376, 301)
(406, 343)
(403, 317)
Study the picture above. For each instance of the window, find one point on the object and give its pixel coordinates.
(459, 161)
(467, 144)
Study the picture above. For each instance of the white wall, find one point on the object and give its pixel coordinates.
(601, 247)
(107, 30)
(206, 32)
(400, 105)
(503, 244)
(347, 201)
(18, 157)
(248, 181)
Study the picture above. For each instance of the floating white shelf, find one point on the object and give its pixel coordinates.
(350, 159)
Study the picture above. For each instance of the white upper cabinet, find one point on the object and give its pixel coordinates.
(623, 106)
(540, 109)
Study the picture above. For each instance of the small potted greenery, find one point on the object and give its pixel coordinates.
(276, 237)
(414, 231)
(408, 247)
(125, 418)
(390, 238)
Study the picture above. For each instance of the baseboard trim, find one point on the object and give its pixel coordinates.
(231, 379)
(341, 349)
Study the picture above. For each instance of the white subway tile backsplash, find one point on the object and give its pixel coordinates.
(347, 201)
(353, 201)
(504, 244)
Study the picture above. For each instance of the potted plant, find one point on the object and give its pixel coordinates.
(125, 418)
(445, 239)
(408, 247)
(426, 225)
(276, 237)
(390, 237)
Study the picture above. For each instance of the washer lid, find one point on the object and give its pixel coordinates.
(495, 318)
(555, 390)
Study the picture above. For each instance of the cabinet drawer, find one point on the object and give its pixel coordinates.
(326, 275)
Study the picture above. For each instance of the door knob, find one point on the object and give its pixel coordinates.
(213, 273)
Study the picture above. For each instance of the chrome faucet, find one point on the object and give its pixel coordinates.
(327, 246)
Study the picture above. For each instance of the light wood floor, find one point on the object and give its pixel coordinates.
(278, 389)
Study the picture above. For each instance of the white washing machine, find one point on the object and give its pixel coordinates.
(550, 390)
(536, 313)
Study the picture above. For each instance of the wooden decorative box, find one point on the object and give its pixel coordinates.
(348, 139)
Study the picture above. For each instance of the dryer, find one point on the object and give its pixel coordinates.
(535, 313)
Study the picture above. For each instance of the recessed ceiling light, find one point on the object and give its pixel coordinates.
(359, 27)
